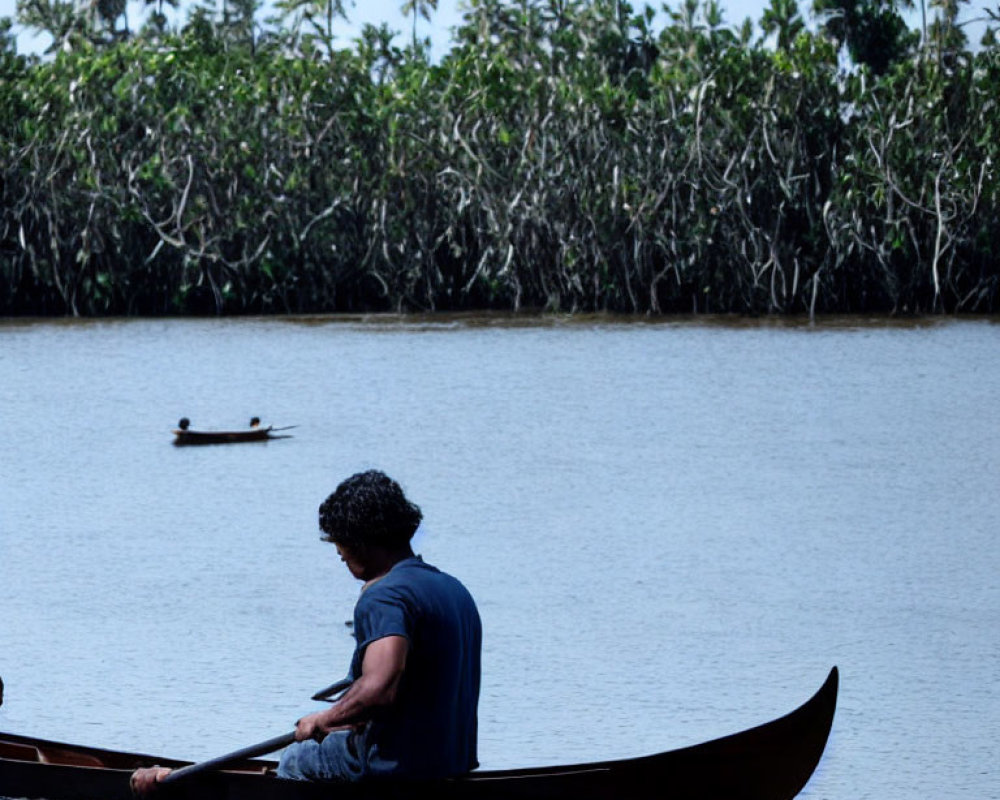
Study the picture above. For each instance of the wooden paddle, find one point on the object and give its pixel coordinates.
(254, 750)
(332, 689)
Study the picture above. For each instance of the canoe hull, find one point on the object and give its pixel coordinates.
(771, 762)
(183, 438)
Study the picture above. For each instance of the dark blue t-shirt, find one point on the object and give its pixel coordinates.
(430, 731)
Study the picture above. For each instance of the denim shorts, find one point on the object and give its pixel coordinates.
(336, 758)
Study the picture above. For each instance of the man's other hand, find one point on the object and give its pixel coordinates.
(144, 780)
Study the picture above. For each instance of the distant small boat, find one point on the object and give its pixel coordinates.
(183, 435)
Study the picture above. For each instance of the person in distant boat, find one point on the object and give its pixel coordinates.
(412, 708)
(255, 422)
(184, 423)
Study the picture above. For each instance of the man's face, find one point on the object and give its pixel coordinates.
(353, 561)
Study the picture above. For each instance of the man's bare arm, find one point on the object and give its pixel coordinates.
(381, 670)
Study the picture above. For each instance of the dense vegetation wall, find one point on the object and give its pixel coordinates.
(560, 164)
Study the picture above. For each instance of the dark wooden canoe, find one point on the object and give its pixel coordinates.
(187, 437)
(770, 762)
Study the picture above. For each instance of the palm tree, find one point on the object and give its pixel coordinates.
(310, 11)
(873, 31)
(157, 18)
(783, 17)
(945, 32)
(421, 7)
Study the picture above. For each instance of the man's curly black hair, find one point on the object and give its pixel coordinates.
(369, 509)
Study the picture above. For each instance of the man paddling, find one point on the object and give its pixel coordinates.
(411, 710)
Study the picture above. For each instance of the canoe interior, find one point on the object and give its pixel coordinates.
(770, 762)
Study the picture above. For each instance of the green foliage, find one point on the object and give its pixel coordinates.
(563, 155)
(873, 31)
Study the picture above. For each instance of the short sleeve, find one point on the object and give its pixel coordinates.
(380, 613)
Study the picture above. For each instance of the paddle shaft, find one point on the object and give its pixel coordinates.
(254, 750)
(218, 762)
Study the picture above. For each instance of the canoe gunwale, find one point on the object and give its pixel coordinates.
(772, 761)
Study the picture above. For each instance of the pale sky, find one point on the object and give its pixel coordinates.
(448, 16)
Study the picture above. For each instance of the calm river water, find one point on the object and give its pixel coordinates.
(673, 530)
